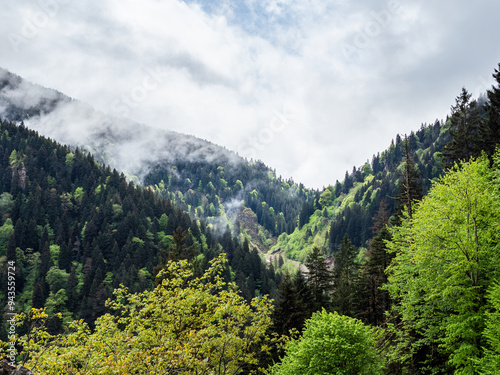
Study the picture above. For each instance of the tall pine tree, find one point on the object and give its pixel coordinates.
(319, 278)
(490, 131)
(465, 122)
(345, 277)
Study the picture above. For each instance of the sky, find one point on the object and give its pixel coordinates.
(310, 87)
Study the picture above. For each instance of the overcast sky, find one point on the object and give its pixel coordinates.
(311, 87)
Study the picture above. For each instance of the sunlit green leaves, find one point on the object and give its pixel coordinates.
(332, 344)
(445, 259)
(186, 324)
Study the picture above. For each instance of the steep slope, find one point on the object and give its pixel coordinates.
(208, 181)
(349, 207)
(76, 230)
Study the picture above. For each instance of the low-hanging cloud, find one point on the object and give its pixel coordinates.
(121, 143)
(229, 65)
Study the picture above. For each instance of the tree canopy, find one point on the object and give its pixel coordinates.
(185, 325)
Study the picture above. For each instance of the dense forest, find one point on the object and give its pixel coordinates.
(401, 260)
(77, 230)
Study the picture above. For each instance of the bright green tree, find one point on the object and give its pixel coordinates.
(490, 364)
(446, 257)
(332, 344)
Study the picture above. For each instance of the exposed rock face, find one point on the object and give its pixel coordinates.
(7, 369)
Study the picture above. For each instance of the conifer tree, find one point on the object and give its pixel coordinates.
(465, 122)
(293, 303)
(490, 131)
(319, 278)
(345, 275)
(410, 188)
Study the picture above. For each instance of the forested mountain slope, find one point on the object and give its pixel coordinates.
(77, 230)
(348, 207)
(206, 180)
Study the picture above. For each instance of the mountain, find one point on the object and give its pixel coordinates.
(206, 180)
(349, 207)
(224, 190)
(75, 230)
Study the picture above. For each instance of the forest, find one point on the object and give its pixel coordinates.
(400, 260)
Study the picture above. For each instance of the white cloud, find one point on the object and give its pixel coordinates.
(355, 73)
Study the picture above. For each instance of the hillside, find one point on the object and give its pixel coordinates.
(348, 207)
(76, 230)
(208, 181)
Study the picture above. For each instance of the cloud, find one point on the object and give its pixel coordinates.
(355, 73)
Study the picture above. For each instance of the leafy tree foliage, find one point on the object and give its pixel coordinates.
(332, 344)
(186, 324)
(446, 257)
(490, 364)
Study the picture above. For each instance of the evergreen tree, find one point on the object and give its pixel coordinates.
(410, 188)
(38, 298)
(490, 131)
(345, 274)
(293, 304)
(319, 278)
(374, 301)
(465, 122)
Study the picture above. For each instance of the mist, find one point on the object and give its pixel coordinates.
(119, 142)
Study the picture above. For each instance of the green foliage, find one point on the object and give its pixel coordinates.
(56, 279)
(6, 230)
(332, 344)
(186, 324)
(54, 254)
(326, 197)
(6, 203)
(490, 364)
(445, 259)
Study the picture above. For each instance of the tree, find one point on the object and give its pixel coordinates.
(490, 364)
(465, 123)
(185, 325)
(445, 258)
(490, 131)
(319, 278)
(374, 301)
(293, 304)
(410, 189)
(345, 274)
(332, 344)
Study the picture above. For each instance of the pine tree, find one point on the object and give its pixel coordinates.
(38, 298)
(293, 304)
(465, 122)
(490, 131)
(345, 274)
(374, 301)
(410, 188)
(319, 278)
